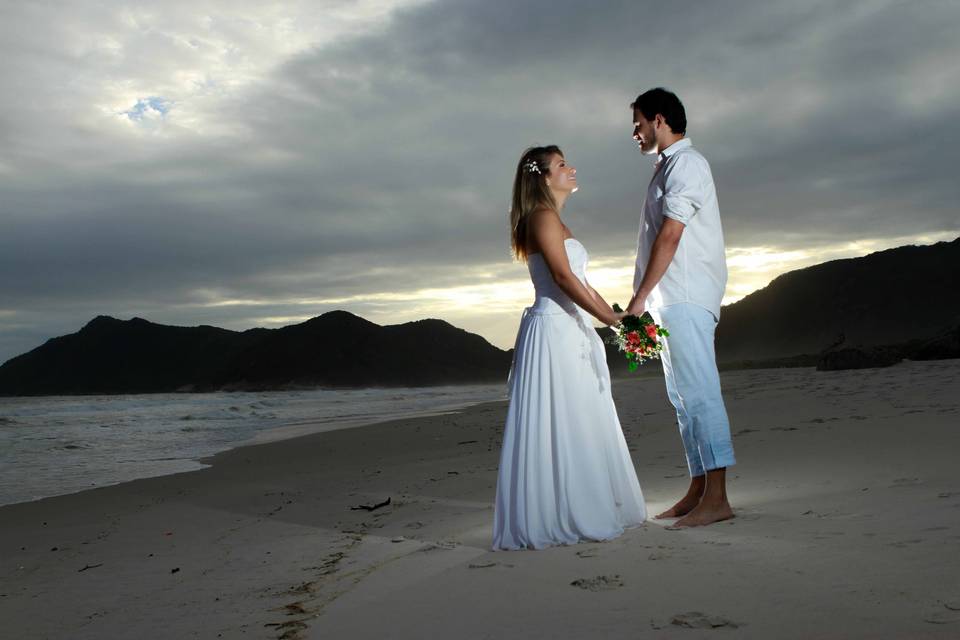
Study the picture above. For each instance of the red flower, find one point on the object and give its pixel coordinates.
(633, 338)
(652, 331)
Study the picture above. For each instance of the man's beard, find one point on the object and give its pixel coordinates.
(649, 145)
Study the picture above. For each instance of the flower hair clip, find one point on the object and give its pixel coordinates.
(531, 166)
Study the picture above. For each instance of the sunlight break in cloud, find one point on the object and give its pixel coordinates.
(208, 53)
(148, 111)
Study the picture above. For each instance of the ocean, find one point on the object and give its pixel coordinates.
(63, 444)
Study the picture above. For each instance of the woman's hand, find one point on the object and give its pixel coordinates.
(616, 317)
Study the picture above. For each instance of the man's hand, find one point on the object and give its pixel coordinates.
(618, 315)
(637, 306)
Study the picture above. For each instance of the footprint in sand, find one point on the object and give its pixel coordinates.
(600, 583)
(827, 535)
(309, 588)
(291, 629)
(815, 514)
(588, 553)
(900, 544)
(944, 612)
(698, 620)
(904, 482)
(443, 545)
(489, 565)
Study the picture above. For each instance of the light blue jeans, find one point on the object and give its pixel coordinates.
(693, 386)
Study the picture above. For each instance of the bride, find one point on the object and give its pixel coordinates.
(565, 471)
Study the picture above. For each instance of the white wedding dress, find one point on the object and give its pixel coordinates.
(565, 471)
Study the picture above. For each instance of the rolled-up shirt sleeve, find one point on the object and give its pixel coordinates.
(683, 192)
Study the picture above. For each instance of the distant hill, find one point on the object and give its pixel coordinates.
(337, 349)
(908, 296)
(886, 298)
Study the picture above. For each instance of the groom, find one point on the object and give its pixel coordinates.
(680, 276)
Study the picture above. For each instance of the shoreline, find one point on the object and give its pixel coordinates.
(208, 461)
(846, 508)
(243, 449)
(294, 428)
(181, 392)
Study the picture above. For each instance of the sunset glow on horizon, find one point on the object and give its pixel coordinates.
(492, 309)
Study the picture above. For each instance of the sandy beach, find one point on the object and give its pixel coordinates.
(848, 526)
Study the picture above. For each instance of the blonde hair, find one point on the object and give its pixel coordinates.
(530, 192)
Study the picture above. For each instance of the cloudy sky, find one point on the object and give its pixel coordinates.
(251, 164)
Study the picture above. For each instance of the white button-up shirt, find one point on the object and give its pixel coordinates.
(682, 189)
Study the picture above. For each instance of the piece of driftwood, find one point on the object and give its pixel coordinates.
(370, 507)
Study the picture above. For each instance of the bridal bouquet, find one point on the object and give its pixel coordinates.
(638, 338)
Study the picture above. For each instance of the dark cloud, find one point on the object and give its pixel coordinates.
(381, 162)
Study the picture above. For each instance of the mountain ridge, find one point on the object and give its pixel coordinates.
(906, 297)
(887, 297)
(336, 349)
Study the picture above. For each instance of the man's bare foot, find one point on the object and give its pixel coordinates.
(705, 513)
(682, 508)
(688, 502)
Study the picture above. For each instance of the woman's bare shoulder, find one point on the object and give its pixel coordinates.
(545, 216)
(543, 224)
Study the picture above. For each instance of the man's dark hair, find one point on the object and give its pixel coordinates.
(664, 102)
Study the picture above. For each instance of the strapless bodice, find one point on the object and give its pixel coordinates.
(552, 309)
(550, 298)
